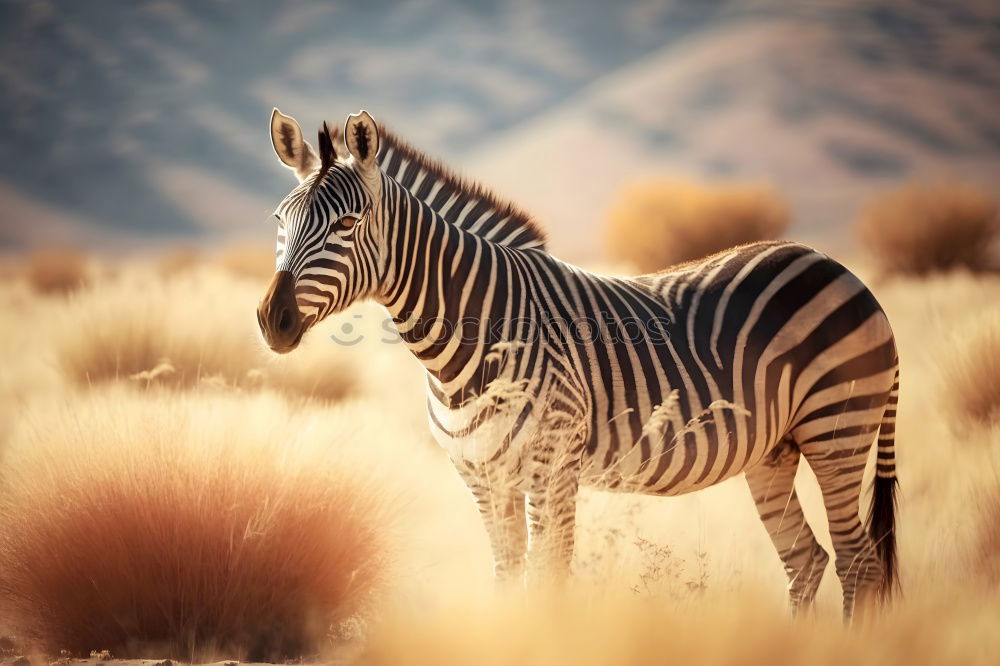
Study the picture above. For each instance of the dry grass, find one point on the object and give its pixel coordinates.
(182, 527)
(973, 371)
(177, 261)
(656, 224)
(248, 261)
(986, 553)
(692, 578)
(753, 631)
(196, 327)
(922, 228)
(57, 271)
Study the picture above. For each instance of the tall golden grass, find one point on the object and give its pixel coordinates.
(177, 260)
(183, 526)
(657, 223)
(986, 555)
(747, 630)
(921, 228)
(248, 261)
(691, 578)
(197, 327)
(973, 370)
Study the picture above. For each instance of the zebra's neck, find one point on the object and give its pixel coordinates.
(457, 201)
(437, 274)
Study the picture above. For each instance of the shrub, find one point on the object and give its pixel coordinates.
(183, 529)
(973, 372)
(196, 327)
(921, 228)
(57, 271)
(656, 224)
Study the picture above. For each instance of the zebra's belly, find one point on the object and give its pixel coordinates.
(692, 457)
(599, 479)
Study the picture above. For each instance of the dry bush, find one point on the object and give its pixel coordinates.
(973, 371)
(185, 527)
(656, 224)
(198, 327)
(57, 271)
(921, 228)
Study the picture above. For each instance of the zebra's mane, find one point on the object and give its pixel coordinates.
(459, 201)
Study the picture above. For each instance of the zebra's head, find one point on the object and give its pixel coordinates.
(329, 228)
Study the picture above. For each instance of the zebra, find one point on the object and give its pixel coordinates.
(543, 378)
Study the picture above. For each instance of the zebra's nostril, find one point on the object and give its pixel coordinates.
(285, 320)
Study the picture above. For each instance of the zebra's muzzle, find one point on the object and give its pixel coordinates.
(278, 314)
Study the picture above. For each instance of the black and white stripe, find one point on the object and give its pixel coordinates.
(543, 377)
(333, 263)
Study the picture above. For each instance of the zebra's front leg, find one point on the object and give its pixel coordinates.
(502, 510)
(551, 523)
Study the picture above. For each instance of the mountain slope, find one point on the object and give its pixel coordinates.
(146, 121)
(799, 103)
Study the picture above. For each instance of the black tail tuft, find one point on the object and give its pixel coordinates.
(881, 526)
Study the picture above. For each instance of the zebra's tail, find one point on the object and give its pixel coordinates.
(881, 523)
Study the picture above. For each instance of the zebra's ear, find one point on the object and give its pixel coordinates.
(293, 150)
(361, 136)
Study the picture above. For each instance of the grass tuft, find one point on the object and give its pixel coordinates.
(155, 526)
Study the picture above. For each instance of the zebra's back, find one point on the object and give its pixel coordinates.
(739, 351)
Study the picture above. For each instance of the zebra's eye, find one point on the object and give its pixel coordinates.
(348, 221)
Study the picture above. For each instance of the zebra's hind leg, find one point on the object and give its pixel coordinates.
(838, 458)
(772, 484)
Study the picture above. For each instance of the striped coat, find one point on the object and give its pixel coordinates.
(544, 377)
